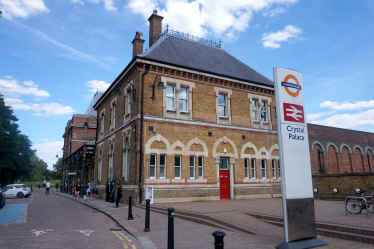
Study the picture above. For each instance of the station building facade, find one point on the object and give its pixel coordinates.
(209, 134)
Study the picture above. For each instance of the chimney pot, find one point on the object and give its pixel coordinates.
(141, 35)
(137, 44)
(155, 12)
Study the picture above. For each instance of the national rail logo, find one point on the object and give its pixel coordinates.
(288, 85)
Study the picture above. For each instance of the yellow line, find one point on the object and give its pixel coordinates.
(6, 205)
(133, 246)
(25, 218)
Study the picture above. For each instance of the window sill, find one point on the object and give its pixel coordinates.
(178, 180)
(256, 121)
(127, 114)
(171, 111)
(224, 118)
(184, 112)
(251, 180)
(153, 180)
(197, 180)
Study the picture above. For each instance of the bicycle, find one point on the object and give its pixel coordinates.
(356, 205)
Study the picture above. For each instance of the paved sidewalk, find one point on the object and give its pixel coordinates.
(192, 235)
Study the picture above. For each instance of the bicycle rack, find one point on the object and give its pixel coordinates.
(356, 198)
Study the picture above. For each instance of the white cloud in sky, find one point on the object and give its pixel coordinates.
(42, 109)
(108, 4)
(22, 8)
(348, 106)
(70, 52)
(97, 85)
(314, 116)
(348, 120)
(10, 86)
(274, 12)
(48, 151)
(273, 40)
(201, 17)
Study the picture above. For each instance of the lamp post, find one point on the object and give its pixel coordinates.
(159, 86)
(86, 126)
(118, 92)
(61, 169)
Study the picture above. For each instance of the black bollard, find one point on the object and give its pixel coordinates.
(170, 228)
(112, 196)
(107, 191)
(130, 217)
(218, 239)
(147, 213)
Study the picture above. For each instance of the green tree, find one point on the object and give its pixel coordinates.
(15, 148)
(57, 167)
(39, 169)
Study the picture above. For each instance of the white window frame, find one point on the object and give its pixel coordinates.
(102, 116)
(263, 168)
(279, 170)
(150, 166)
(224, 106)
(163, 166)
(129, 99)
(170, 97)
(114, 116)
(246, 169)
(255, 110)
(192, 167)
(201, 167)
(180, 167)
(111, 164)
(265, 119)
(273, 169)
(253, 168)
(186, 99)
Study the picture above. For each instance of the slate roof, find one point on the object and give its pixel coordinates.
(194, 55)
(90, 110)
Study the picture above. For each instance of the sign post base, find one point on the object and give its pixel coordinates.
(308, 243)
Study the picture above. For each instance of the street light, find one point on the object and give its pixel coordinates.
(117, 91)
(58, 152)
(160, 86)
(86, 126)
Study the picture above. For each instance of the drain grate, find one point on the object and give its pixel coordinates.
(115, 229)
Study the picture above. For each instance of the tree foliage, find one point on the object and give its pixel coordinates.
(15, 148)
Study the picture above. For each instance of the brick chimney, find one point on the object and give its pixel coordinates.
(137, 44)
(155, 27)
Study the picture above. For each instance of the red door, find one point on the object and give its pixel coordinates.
(224, 184)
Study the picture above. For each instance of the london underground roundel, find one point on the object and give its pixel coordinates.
(288, 85)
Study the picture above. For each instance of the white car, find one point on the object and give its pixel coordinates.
(17, 190)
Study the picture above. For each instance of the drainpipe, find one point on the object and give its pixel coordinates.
(141, 137)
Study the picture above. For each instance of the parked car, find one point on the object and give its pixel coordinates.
(2, 198)
(17, 190)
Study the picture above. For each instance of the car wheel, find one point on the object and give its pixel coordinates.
(2, 204)
(26, 196)
(20, 195)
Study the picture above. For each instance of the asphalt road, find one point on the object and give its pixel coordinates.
(53, 221)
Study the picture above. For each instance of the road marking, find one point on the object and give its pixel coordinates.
(13, 213)
(40, 232)
(86, 232)
(25, 217)
(118, 234)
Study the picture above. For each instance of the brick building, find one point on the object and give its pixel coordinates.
(336, 150)
(77, 135)
(209, 134)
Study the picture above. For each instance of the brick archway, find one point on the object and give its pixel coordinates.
(332, 166)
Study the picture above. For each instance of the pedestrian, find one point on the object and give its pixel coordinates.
(92, 188)
(57, 185)
(38, 185)
(117, 192)
(48, 184)
(44, 183)
(77, 190)
(66, 185)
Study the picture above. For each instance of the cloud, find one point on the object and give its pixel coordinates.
(10, 86)
(348, 106)
(274, 12)
(45, 139)
(22, 8)
(272, 40)
(200, 17)
(48, 151)
(43, 109)
(97, 85)
(108, 4)
(348, 120)
(314, 116)
(71, 53)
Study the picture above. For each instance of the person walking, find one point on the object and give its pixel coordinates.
(92, 185)
(117, 192)
(57, 185)
(77, 190)
(48, 185)
(44, 183)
